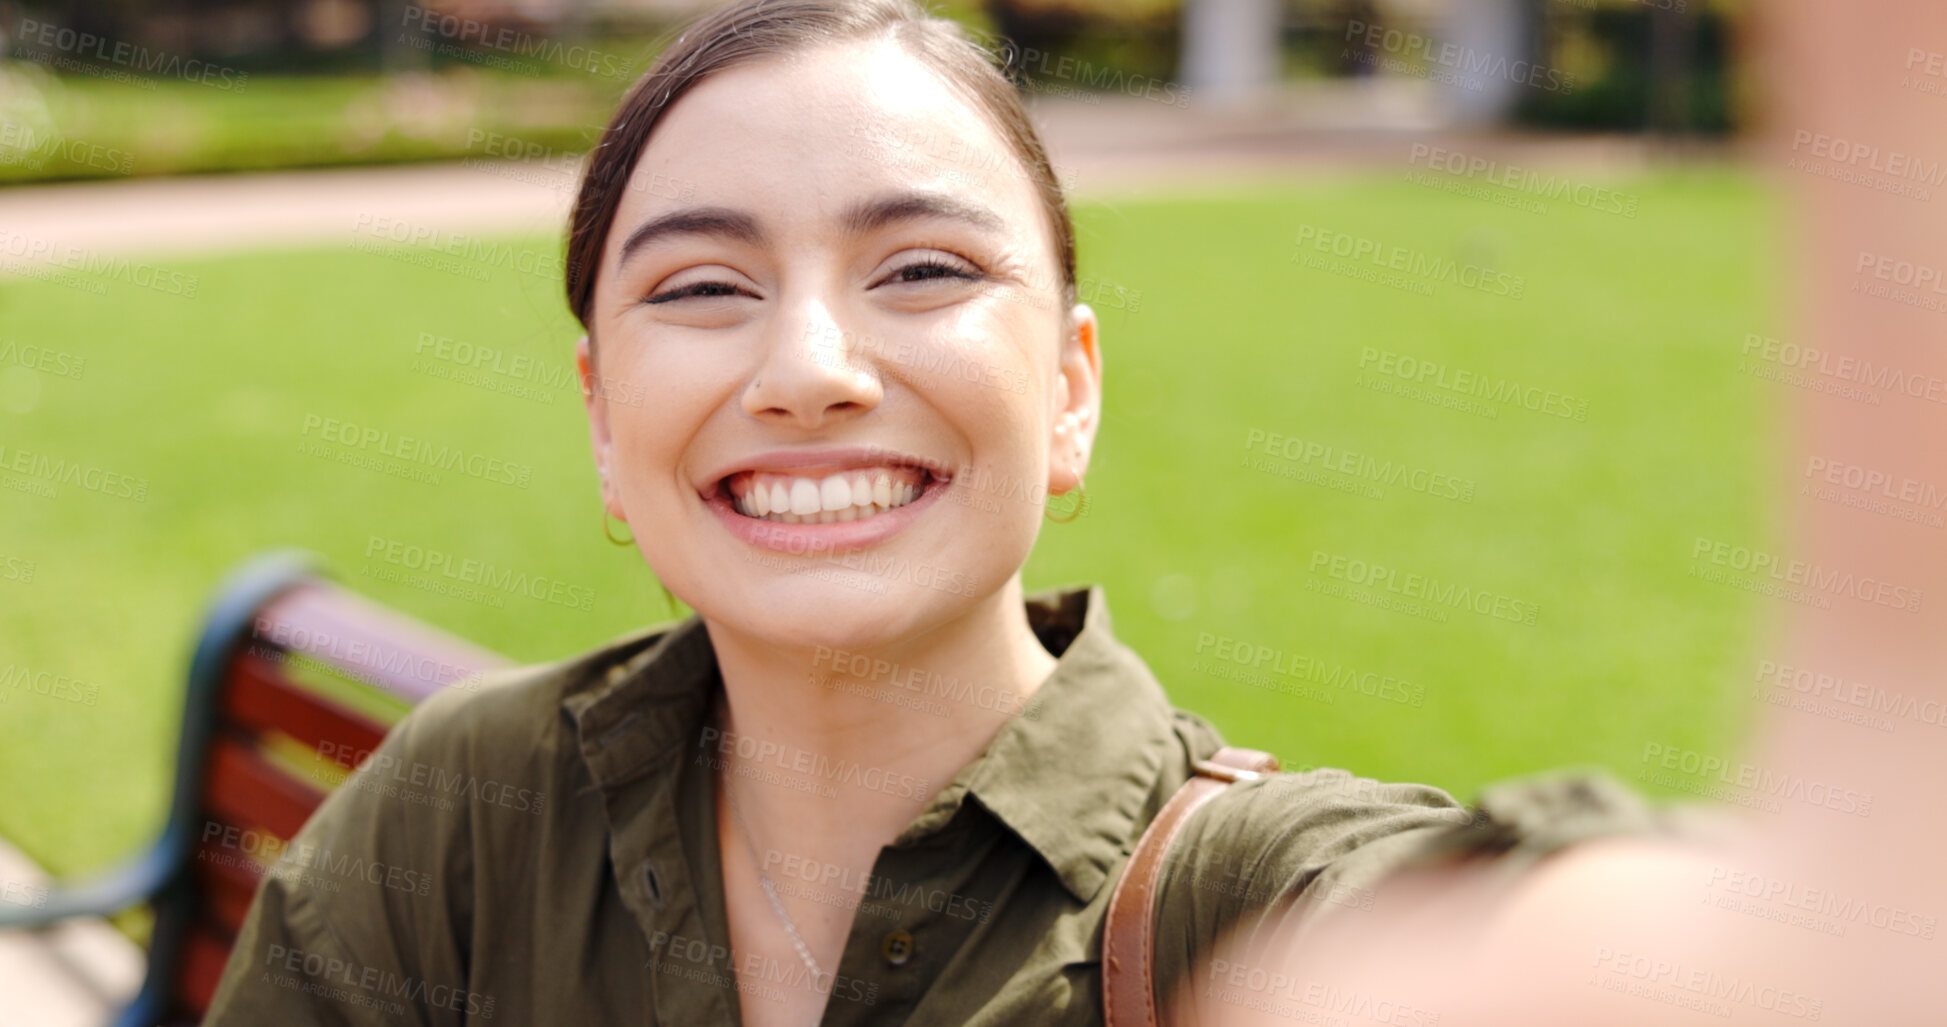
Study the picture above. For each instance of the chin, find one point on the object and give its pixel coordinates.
(833, 607)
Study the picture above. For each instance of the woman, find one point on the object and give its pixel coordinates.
(869, 781)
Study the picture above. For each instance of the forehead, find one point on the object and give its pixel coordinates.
(805, 134)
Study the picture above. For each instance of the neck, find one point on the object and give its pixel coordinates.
(838, 750)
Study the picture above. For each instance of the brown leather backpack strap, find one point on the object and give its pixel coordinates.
(1129, 936)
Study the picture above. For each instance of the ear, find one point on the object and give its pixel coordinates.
(595, 398)
(1078, 402)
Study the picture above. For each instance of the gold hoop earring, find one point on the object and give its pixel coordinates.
(1081, 503)
(610, 535)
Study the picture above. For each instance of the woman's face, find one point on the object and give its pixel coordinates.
(837, 381)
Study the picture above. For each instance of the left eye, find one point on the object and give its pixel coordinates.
(928, 270)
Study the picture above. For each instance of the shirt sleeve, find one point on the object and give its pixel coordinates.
(355, 924)
(1304, 845)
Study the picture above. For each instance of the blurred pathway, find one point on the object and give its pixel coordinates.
(1112, 147)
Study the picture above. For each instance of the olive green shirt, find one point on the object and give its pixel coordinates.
(543, 850)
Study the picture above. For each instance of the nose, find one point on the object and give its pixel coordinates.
(813, 372)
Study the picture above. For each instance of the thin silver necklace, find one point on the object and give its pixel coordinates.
(764, 879)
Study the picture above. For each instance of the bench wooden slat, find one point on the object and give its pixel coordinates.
(368, 642)
(260, 698)
(246, 790)
(204, 953)
(228, 878)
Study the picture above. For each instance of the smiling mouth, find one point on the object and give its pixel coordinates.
(851, 495)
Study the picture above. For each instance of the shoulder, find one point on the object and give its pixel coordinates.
(484, 756)
(511, 717)
(1271, 837)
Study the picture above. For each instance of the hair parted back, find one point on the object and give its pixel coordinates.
(756, 29)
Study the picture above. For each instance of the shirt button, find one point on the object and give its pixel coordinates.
(652, 885)
(897, 948)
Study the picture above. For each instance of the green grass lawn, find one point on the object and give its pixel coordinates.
(1215, 339)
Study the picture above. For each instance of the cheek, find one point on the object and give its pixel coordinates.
(654, 409)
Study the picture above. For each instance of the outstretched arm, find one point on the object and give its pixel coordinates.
(1815, 914)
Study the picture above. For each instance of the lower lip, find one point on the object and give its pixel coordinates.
(812, 539)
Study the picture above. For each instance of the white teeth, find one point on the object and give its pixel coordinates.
(804, 497)
(835, 493)
(837, 498)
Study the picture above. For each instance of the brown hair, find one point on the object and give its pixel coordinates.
(756, 29)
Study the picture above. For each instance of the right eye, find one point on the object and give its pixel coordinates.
(712, 289)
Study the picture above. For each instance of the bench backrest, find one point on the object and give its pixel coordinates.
(296, 681)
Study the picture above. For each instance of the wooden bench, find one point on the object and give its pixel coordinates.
(294, 680)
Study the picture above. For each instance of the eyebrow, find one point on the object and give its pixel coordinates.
(881, 211)
(718, 221)
(860, 218)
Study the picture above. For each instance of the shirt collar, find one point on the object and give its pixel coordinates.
(1070, 774)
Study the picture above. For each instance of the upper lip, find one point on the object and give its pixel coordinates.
(833, 460)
